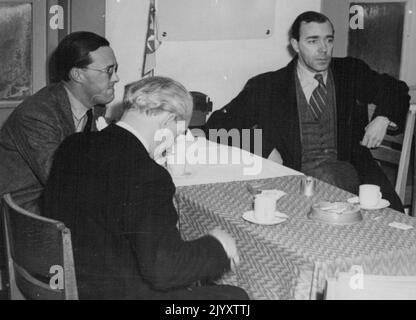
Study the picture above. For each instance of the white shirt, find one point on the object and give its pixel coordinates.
(307, 80)
(134, 132)
(79, 111)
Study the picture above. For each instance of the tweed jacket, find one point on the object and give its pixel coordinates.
(28, 140)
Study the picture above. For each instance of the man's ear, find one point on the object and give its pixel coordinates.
(295, 44)
(167, 118)
(76, 75)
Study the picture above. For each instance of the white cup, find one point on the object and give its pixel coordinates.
(369, 195)
(264, 207)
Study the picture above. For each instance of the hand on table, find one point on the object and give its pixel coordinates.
(229, 246)
(375, 132)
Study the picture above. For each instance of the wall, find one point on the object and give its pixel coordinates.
(217, 68)
(88, 16)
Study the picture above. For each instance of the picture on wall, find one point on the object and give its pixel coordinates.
(16, 35)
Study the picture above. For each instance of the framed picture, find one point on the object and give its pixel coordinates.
(22, 50)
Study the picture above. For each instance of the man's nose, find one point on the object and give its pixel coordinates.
(114, 77)
(323, 47)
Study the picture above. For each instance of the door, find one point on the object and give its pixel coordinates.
(387, 40)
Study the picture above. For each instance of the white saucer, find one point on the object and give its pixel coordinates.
(186, 174)
(383, 203)
(278, 218)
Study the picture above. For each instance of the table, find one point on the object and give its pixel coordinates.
(291, 260)
(209, 162)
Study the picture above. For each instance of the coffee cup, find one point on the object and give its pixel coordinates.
(264, 207)
(369, 195)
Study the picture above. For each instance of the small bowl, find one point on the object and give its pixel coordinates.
(336, 213)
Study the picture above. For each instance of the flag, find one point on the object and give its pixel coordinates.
(152, 42)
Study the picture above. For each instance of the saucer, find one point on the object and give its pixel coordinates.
(278, 218)
(186, 174)
(383, 203)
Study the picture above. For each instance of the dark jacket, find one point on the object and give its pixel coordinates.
(118, 204)
(268, 102)
(28, 140)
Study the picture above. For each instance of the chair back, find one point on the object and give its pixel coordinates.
(370, 287)
(39, 253)
(202, 106)
(387, 153)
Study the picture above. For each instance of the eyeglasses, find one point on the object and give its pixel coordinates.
(110, 70)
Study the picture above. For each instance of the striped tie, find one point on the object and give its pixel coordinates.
(318, 100)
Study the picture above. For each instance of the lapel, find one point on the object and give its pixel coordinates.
(344, 105)
(290, 113)
(63, 101)
(289, 105)
(340, 83)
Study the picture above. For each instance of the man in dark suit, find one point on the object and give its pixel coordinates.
(314, 111)
(118, 202)
(86, 69)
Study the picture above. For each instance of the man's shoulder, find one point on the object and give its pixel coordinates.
(113, 140)
(91, 147)
(93, 139)
(48, 108)
(112, 146)
(276, 76)
(264, 77)
(348, 63)
(48, 100)
(46, 95)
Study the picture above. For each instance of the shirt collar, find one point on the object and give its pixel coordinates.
(77, 107)
(306, 77)
(134, 132)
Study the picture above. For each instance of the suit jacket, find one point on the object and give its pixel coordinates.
(268, 102)
(118, 204)
(28, 140)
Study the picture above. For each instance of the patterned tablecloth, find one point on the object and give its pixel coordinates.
(291, 260)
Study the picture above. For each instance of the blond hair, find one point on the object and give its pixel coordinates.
(153, 95)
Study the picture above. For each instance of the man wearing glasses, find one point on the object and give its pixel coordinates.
(86, 70)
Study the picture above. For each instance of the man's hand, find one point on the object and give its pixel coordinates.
(375, 132)
(229, 246)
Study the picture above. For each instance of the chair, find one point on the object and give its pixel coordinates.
(372, 287)
(202, 106)
(39, 255)
(387, 153)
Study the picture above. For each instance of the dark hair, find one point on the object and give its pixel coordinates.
(74, 51)
(308, 16)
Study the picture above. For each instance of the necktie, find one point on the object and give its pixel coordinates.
(88, 124)
(318, 100)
